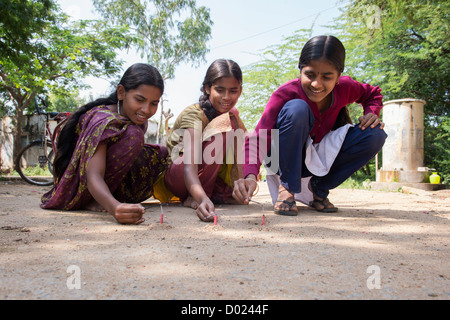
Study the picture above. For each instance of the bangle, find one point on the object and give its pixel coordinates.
(257, 186)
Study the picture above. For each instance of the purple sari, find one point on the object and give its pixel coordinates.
(132, 167)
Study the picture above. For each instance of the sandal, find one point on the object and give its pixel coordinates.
(287, 212)
(325, 205)
(291, 204)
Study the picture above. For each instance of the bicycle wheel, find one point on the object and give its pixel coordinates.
(34, 165)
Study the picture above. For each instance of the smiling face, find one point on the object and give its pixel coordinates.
(318, 79)
(224, 94)
(139, 104)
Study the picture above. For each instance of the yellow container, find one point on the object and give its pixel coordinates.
(435, 178)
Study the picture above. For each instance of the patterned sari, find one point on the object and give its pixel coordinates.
(132, 168)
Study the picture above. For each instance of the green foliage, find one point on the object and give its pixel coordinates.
(66, 102)
(53, 54)
(278, 64)
(35, 171)
(19, 20)
(438, 152)
(403, 47)
(405, 51)
(166, 32)
(60, 56)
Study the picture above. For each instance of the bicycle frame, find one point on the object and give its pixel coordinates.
(37, 153)
(60, 117)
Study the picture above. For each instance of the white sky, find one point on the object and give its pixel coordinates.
(242, 28)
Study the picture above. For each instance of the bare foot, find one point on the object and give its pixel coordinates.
(94, 206)
(190, 203)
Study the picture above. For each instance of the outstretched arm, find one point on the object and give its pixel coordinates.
(205, 209)
(124, 213)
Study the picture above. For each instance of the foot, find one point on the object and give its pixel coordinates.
(322, 205)
(190, 203)
(285, 204)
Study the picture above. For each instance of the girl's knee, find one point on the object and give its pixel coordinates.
(379, 134)
(377, 137)
(296, 111)
(296, 108)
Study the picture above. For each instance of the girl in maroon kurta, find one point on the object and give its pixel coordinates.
(308, 109)
(102, 162)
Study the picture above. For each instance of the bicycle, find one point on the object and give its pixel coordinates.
(35, 161)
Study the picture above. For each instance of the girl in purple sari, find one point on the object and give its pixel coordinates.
(102, 162)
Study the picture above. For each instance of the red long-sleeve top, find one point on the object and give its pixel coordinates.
(346, 92)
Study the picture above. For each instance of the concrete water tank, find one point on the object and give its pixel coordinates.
(403, 149)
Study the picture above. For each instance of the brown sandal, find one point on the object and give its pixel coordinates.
(291, 204)
(325, 203)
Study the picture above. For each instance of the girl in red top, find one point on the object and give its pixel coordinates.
(304, 111)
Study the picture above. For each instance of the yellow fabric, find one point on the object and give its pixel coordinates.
(225, 173)
(161, 192)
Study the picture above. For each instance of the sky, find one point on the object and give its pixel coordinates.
(241, 30)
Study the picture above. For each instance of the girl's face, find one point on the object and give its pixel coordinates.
(318, 80)
(139, 104)
(224, 94)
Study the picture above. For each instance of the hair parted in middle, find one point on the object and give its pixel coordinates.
(328, 47)
(220, 68)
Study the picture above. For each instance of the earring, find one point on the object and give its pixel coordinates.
(118, 107)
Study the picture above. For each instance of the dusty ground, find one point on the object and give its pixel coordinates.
(380, 245)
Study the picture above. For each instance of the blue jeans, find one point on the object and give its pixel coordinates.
(295, 122)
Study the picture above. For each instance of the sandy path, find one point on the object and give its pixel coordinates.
(380, 245)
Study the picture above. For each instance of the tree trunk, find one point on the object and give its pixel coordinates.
(17, 134)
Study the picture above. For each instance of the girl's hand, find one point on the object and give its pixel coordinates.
(205, 210)
(244, 189)
(129, 213)
(371, 120)
(124, 213)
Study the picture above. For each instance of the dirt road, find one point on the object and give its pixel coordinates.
(379, 245)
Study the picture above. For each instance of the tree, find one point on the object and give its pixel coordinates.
(54, 56)
(69, 101)
(403, 47)
(278, 64)
(18, 21)
(165, 32)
